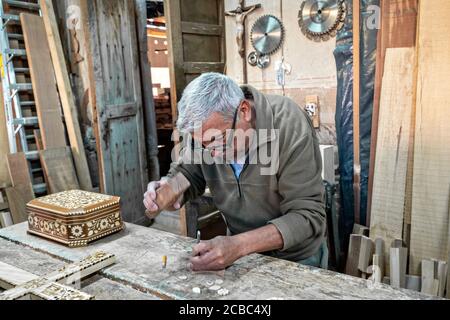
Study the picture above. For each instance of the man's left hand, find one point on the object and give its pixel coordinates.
(216, 254)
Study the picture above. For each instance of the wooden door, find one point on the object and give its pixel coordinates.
(118, 103)
(196, 37)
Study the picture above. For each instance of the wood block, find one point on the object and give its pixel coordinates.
(44, 83)
(314, 100)
(5, 219)
(361, 230)
(170, 192)
(365, 254)
(398, 261)
(353, 255)
(430, 285)
(59, 169)
(413, 282)
(17, 205)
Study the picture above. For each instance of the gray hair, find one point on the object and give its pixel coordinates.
(209, 93)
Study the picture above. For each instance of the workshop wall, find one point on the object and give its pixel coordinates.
(313, 64)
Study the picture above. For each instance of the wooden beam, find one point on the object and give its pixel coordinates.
(356, 95)
(59, 169)
(66, 94)
(44, 87)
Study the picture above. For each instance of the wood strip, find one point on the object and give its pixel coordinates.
(66, 94)
(59, 169)
(43, 79)
(398, 260)
(431, 179)
(356, 94)
(388, 197)
(4, 143)
(397, 30)
(430, 285)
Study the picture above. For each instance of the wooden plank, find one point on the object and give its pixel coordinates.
(59, 169)
(147, 92)
(356, 94)
(17, 204)
(397, 30)
(66, 94)
(4, 143)
(353, 255)
(44, 83)
(431, 180)
(388, 197)
(19, 173)
(142, 248)
(398, 260)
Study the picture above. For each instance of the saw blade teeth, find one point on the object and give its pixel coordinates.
(324, 29)
(270, 48)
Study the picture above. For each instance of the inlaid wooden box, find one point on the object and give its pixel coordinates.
(74, 218)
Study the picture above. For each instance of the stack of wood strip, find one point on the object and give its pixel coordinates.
(411, 181)
(163, 110)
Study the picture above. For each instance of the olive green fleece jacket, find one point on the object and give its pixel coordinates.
(292, 198)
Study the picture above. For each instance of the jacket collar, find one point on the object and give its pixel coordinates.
(264, 116)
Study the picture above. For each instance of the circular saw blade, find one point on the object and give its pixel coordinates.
(319, 19)
(267, 34)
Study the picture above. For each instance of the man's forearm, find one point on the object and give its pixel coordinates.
(264, 239)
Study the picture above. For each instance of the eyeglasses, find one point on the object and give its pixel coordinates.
(213, 145)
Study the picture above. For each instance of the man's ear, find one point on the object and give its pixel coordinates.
(245, 111)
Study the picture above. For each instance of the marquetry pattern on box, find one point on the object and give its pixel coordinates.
(74, 218)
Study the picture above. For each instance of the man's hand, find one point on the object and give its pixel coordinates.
(150, 199)
(216, 254)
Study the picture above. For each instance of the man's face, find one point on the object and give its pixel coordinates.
(217, 135)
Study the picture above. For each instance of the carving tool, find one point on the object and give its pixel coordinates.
(164, 259)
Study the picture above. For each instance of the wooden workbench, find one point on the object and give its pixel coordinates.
(138, 272)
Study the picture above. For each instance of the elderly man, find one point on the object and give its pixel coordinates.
(274, 207)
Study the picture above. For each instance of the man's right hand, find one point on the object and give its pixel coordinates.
(150, 199)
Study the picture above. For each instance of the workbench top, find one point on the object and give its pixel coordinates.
(139, 253)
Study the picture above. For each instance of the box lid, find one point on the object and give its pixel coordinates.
(74, 202)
